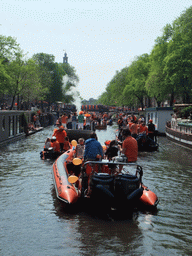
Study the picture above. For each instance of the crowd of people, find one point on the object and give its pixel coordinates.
(91, 149)
(83, 120)
(137, 127)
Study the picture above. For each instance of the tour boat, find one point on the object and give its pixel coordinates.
(100, 182)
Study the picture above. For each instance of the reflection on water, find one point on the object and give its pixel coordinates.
(34, 222)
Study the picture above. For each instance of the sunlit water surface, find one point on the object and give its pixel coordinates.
(33, 222)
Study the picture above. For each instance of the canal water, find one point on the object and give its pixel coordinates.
(34, 223)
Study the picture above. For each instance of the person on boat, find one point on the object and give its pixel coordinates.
(80, 148)
(93, 149)
(47, 144)
(88, 122)
(143, 129)
(55, 145)
(60, 135)
(120, 122)
(134, 129)
(74, 121)
(129, 146)
(64, 120)
(133, 117)
(112, 150)
(80, 120)
(69, 122)
(67, 145)
(151, 129)
(34, 120)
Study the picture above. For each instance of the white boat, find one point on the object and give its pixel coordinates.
(180, 132)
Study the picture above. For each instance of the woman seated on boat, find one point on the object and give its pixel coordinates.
(66, 145)
(80, 148)
(112, 150)
(47, 144)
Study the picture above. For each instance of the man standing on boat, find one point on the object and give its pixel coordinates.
(80, 120)
(93, 149)
(151, 129)
(60, 135)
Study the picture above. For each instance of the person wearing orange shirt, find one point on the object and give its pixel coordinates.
(55, 145)
(67, 145)
(134, 129)
(64, 120)
(60, 135)
(143, 129)
(129, 146)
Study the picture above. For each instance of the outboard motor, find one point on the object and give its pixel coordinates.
(127, 191)
(125, 184)
(102, 187)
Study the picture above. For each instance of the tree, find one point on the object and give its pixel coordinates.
(8, 49)
(117, 84)
(135, 89)
(178, 62)
(156, 85)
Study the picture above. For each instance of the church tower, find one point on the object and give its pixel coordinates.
(65, 58)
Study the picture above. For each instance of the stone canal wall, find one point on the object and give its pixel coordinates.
(14, 124)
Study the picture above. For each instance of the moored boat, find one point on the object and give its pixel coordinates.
(180, 132)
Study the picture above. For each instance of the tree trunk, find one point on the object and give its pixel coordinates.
(172, 99)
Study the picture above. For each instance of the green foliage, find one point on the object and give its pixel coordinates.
(165, 74)
(135, 89)
(186, 112)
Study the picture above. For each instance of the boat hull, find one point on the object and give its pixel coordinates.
(149, 198)
(146, 144)
(120, 192)
(65, 191)
(179, 138)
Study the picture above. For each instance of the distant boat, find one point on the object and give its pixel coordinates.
(101, 127)
(180, 132)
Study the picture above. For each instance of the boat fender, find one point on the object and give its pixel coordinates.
(136, 194)
(72, 179)
(105, 190)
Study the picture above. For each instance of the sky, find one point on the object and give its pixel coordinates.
(100, 37)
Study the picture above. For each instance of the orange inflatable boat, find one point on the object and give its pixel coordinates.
(65, 190)
(101, 182)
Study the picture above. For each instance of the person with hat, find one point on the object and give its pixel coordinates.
(60, 135)
(80, 120)
(55, 145)
(151, 129)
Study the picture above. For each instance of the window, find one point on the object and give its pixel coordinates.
(3, 123)
(11, 125)
(17, 124)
